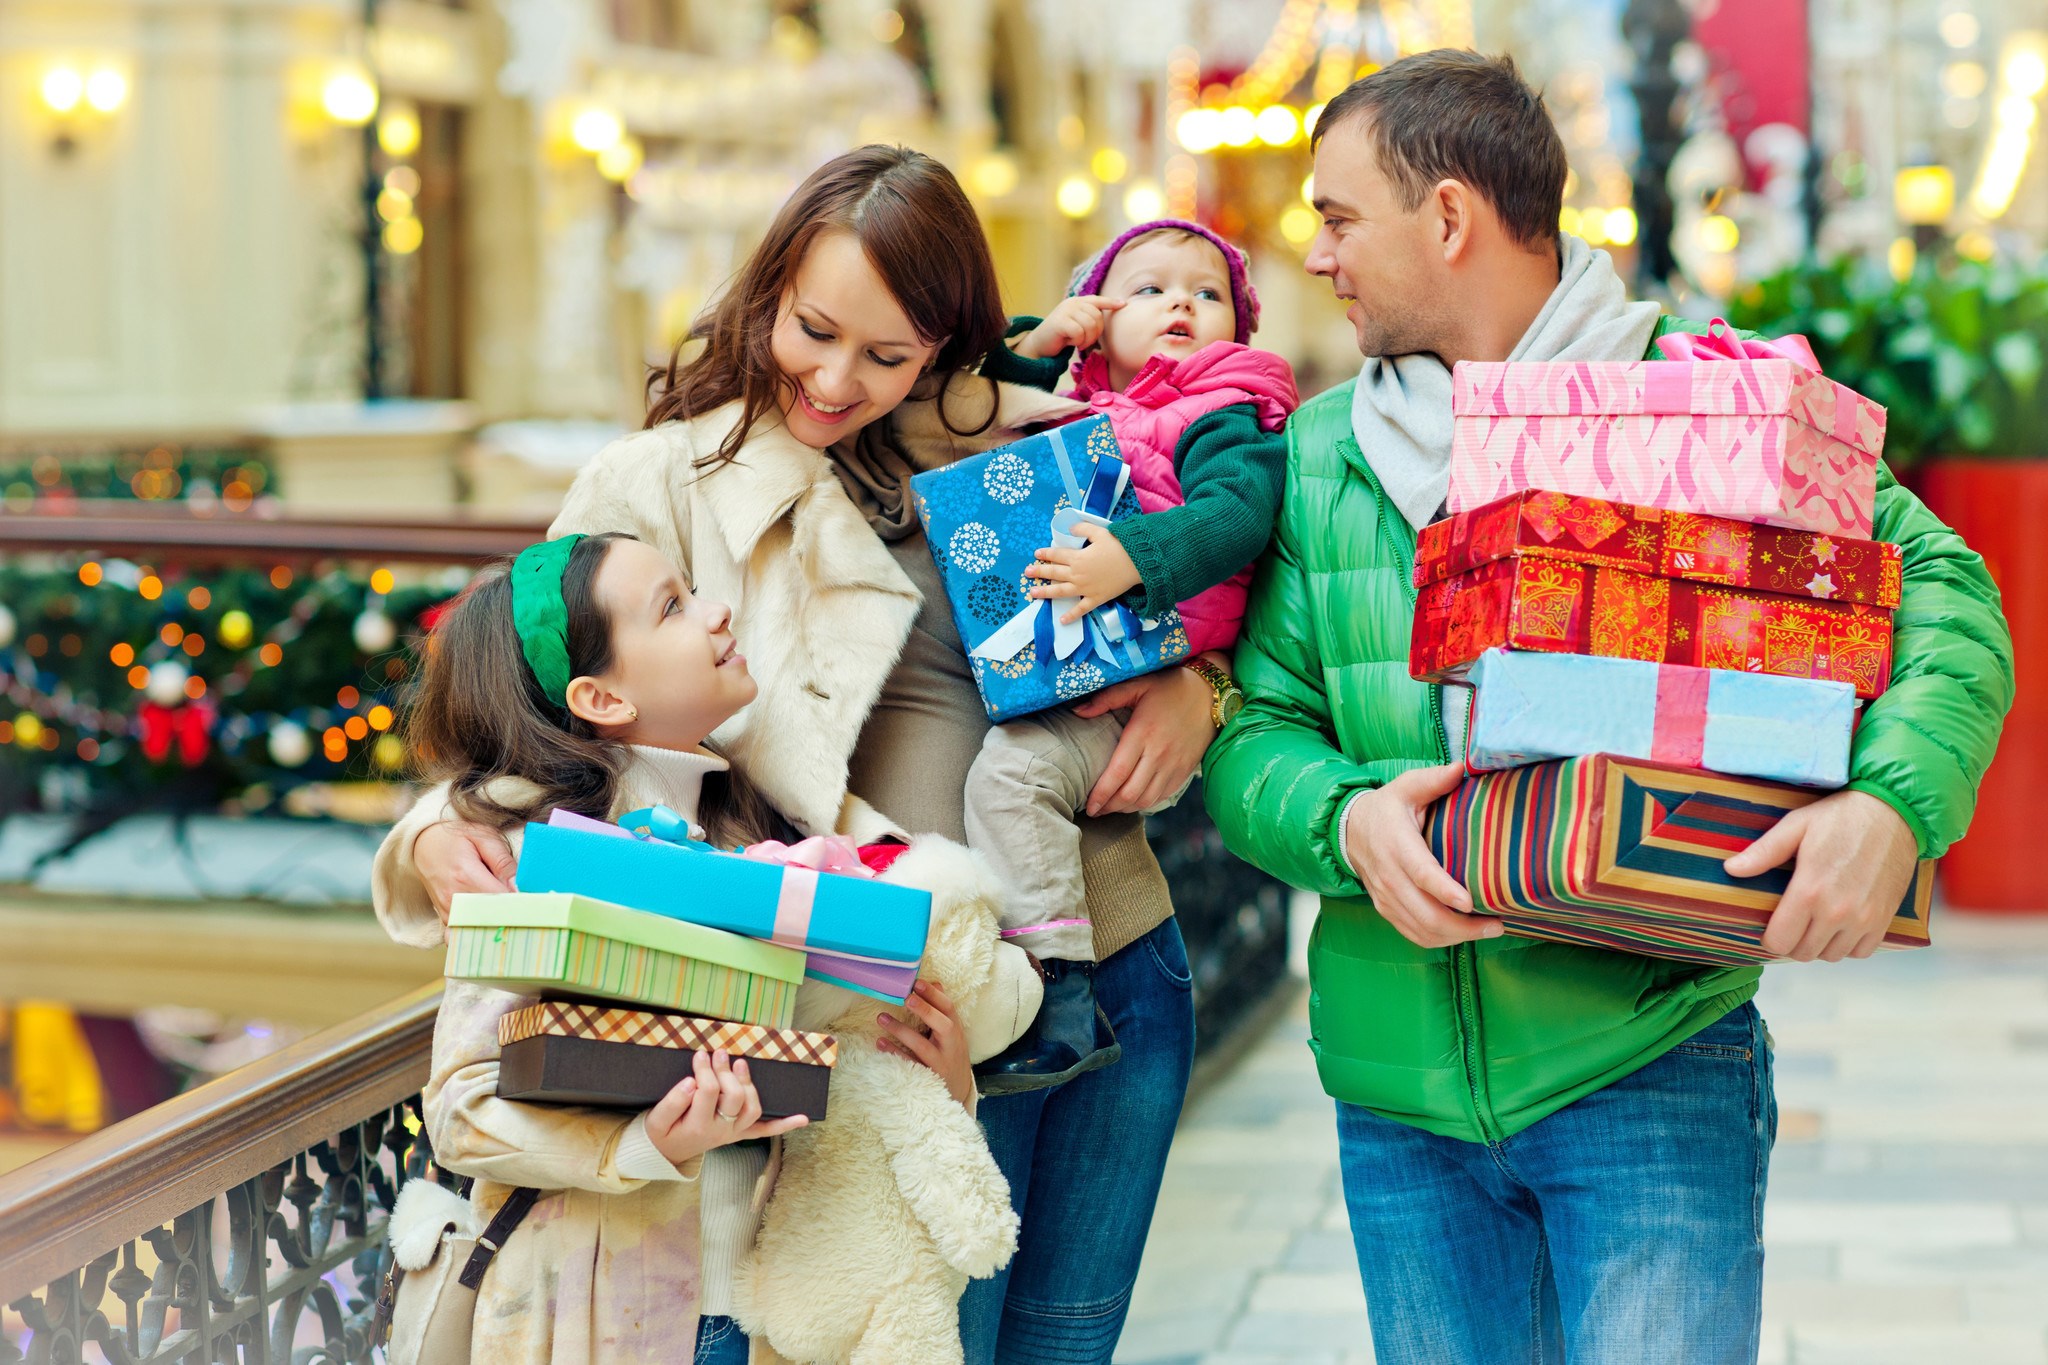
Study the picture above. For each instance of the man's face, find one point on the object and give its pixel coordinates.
(1386, 260)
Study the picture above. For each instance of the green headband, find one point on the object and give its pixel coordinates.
(539, 614)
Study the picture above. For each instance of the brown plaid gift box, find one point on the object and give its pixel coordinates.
(571, 1052)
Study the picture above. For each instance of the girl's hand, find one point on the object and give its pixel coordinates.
(714, 1106)
(1162, 744)
(1099, 572)
(943, 1049)
(454, 855)
(1076, 322)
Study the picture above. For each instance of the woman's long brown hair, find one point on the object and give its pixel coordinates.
(478, 714)
(920, 234)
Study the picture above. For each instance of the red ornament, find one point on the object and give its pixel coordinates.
(187, 728)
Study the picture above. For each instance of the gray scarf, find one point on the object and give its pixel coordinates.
(876, 475)
(1401, 409)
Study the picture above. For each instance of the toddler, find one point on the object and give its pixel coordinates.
(1158, 322)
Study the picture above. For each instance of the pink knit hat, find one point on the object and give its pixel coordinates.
(1244, 299)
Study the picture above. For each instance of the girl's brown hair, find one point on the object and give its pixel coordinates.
(921, 235)
(479, 714)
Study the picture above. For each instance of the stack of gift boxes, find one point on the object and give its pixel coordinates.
(1658, 581)
(646, 947)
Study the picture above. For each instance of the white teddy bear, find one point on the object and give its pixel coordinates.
(881, 1213)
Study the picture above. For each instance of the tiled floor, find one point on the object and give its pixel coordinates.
(1908, 1213)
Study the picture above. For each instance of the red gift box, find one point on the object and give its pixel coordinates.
(1650, 540)
(1529, 602)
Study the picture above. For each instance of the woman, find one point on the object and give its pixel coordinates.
(775, 468)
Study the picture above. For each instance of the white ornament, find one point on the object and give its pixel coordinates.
(166, 685)
(290, 744)
(1008, 479)
(974, 548)
(375, 632)
(7, 626)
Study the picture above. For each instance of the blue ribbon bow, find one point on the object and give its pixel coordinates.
(659, 822)
(1106, 627)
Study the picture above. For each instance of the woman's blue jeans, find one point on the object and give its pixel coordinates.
(1626, 1228)
(1084, 1162)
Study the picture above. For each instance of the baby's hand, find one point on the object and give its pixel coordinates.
(1099, 572)
(715, 1106)
(1077, 322)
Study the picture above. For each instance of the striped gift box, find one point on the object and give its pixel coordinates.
(550, 941)
(1627, 855)
(575, 1019)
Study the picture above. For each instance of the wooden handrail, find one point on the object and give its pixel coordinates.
(60, 1212)
(113, 526)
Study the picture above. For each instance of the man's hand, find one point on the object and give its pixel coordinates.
(1099, 572)
(1383, 841)
(1855, 859)
(1076, 322)
(455, 855)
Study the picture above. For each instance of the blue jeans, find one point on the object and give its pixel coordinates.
(1625, 1229)
(1084, 1161)
(720, 1341)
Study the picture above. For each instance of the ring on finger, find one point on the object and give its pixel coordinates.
(728, 1118)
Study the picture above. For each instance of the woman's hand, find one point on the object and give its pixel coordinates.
(941, 1045)
(1162, 744)
(455, 855)
(714, 1106)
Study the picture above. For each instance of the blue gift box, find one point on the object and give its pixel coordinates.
(814, 911)
(986, 517)
(1529, 707)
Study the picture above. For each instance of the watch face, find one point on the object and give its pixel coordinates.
(1232, 703)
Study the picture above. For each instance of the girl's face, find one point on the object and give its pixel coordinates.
(1176, 292)
(674, 660)
(846, 350)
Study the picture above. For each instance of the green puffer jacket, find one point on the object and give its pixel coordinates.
(1481, 1040)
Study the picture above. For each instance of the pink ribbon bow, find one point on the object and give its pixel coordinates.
(801, 864)
(1722, 343)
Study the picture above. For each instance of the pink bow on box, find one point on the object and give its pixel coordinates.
(1722, 343)
(803, 861)
(821, 853)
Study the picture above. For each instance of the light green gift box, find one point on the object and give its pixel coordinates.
(567, 944)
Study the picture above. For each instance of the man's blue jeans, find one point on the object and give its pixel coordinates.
(1625, 1229)
(1084, 1161)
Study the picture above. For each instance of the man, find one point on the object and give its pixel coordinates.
(1549, 1152)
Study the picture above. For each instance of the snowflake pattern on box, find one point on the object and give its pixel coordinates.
(1008, 479)
(984, 519)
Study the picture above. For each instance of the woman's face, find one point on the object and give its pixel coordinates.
(845, 349)
(674, 659)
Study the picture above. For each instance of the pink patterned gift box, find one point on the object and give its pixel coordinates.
(1761, 440)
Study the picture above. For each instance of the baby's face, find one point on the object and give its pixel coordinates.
(1176, 292)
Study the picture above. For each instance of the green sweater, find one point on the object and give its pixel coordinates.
(1231, 473)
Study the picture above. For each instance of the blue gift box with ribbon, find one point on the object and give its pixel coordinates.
(986, 517)
(859, 932)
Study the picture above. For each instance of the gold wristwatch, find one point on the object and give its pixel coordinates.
(1228, 699)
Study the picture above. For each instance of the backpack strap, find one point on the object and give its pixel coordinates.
(510, 1214)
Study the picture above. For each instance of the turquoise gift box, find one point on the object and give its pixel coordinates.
(794, 906)
(1531, 707)
(985, 519)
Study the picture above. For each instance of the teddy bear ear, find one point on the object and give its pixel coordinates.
(960, 944)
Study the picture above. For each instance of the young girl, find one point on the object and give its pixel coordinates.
(586, 677)
(1160, 318)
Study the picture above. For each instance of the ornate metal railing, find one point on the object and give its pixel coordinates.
(243, 1221)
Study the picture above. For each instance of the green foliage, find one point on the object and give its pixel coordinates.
(75, 642)
(1954, 352)
(202, 474)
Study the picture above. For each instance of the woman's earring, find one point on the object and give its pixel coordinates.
(632, 713)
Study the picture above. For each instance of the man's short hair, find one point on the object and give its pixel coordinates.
(1456, 115)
